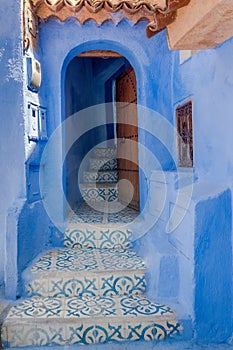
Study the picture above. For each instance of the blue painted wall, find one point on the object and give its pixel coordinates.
(207, 77)
(12, 184)
(213, 268)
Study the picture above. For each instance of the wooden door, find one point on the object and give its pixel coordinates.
(127, 135)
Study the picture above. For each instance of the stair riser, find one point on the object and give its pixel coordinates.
(99, 194)
(109, 284)
(103, 164)
(89, 236)
(55, 333)
(101, 176)
(105, 152)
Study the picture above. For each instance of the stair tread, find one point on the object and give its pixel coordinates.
(68, 260)
(100, 171)
(100, 151)
(103, 163)
(84, 307)
(116, 215)
(103, 158)
(98, 185)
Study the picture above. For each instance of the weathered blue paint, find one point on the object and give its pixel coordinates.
(12, 184)
(210, 88)
(213, 268)
(207, 78)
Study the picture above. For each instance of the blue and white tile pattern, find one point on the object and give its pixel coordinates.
(100, 176)
(74, 272)
(61, 321)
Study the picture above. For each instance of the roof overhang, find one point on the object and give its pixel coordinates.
(158, 13)
(201, 25)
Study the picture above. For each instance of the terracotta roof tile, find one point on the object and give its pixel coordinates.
(158, 13)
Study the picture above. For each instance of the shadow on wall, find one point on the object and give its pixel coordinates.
(213, 268)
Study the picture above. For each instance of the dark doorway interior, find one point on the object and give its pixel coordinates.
(91, 79)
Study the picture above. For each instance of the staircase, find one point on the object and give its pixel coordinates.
(92, 290)
(100, 182)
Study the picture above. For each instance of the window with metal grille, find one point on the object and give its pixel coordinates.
(185, 134)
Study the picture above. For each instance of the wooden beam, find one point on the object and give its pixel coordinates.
(201, 25)
(99, 53)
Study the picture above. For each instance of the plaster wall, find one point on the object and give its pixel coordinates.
(12, 184)
(206, 78)
(213, 268)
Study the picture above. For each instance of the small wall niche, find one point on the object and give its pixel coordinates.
(37, 122)
(184, 124)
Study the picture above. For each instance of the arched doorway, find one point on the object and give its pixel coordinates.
(103, 77)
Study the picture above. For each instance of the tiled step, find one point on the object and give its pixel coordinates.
(100, 176)
(84, 235)
(101, 192)
(74, 272)
(105, 152)
(100, 225)
(86, 320)
(103, 164)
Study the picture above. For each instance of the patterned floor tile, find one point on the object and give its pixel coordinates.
(103, 164)
(135, 305)
(97, 235)
(93, 334)
(105, 152)
(34, 335)
(37, 287)
(36, 308)
(83, 260)
(86, 307)
(92, 212)
(106, 284)
(75, 272)
(123, 307)
(72, 285)
(85, 213)
(122, 284)
(101, 176)
(152, 331)
(65, 259)
(120, 259)
(114, 238)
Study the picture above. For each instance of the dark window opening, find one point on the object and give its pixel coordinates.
(185, 134)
